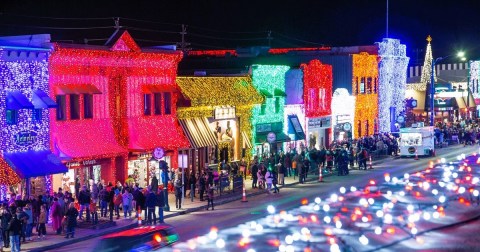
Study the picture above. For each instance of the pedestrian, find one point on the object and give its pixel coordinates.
(151, 202)
(154, 183)
(29, 223)
(261, 179)
(84, 198)
(5, 217)
(254, 174)
(42, 220)
(71, 217)
(111, 199)
(94, 191)
(103, 197)
(118, 201)
(23, 217)
(139, 199)
(202, 185)
(93, 212)
(178, 193)
(192, 182)
(210, 191)
(127, 202)
(269, 180)
(14, 229)
(160, 203)
(56, 216)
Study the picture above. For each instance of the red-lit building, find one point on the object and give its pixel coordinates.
(116, 103)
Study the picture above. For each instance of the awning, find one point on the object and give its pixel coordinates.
(280, 138)
(7, 175)
(148, 133)
(246, 141)
(279, 92)
(17, 100)
(34, 163)
(198, 132)
(150, 89)
(294, 127)
(460, 102)
(265, 93)
(77, 89)
(41, 100)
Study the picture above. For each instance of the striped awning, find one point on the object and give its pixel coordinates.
(198, 132)
(246, 141)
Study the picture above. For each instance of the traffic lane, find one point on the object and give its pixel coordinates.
(232, 214)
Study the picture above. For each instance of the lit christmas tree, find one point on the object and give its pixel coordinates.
(427, 64)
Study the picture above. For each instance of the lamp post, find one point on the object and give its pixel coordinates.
(460, 55)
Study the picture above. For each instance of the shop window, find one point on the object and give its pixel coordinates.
(61, 108)
(37, 115)
(167, 100)
(88, 106)
(277, 104)
(147, 105)
(263, 107)
(74, 106)
(157, 101)
(12, 116)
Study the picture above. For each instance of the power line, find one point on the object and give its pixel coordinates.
(300, 40)
(55, 18)
(59, 28)
(232, 32)
(149, 30)
(223, 38)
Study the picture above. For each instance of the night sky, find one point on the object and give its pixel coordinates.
(227, 24)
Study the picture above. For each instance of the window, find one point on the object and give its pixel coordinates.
(37, 115)
(61, 108)
(157, 103)
(12, 116)
(277, 104)
(74, 106)
(321, 99)
(263, 107)
(369, 85)
(167, 100)
(311, 99)
(362, 85)
(147, 104)
(88, 106)
(357, 88)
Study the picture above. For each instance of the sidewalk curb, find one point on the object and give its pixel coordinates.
(178, 213)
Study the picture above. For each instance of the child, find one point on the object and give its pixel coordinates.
(93, 212)
(42, 219)
(210, 190)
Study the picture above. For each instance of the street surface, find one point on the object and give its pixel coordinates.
(230, 215)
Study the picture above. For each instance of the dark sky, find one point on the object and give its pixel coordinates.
(212, 24)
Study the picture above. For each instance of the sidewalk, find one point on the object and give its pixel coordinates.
(81, 234)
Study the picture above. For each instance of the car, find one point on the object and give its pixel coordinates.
(144, 238)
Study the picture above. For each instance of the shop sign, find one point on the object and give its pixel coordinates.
(224, 112)
(144, 155)
(89, 162)
(25, 138)
(320, 122)
(264, 127)
(84, 163)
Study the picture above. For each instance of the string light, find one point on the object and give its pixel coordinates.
(317, 88)
(22, 71)
(365, 66)
(392, 80)
(118, 122)
(205, 93)
(474, 78)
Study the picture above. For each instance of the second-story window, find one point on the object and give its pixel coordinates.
(167, 101)
(321, 99)
(311, 99)
(277, 104)
(263, 107)
(61, 107)
(88, 106)
(37, 115)
(12, 116)
(74, 106)
(147, 104)
(157, 102)
(362, 86)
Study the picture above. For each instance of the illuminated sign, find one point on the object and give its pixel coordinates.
(224, 112)
(319, 122)
(25, 138)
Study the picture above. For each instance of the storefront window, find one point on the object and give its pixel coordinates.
(12, 116)
(37, 115)
(167, 98)
(61, 108)
(74, 106)
(88, 106)
(147, 105)
(157, 101)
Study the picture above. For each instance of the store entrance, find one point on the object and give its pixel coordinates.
(89, 173)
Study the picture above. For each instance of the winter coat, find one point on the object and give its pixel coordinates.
(103, 195)
(127, 198)
(151, 200)
(42, 219)
(268, 177)
(118, 199)
(84, 198)
(71, 215)
(154, 184)
(5, 217)
(139, 198)
(14, 226)
(95, 191)
(160, 198)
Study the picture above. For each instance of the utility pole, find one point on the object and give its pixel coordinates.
(183, 44)
(269, 38)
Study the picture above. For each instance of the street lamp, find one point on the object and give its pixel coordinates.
(460, 55)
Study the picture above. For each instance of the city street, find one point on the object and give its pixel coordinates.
(235, 213)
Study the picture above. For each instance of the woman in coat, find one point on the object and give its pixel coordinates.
(57, 216)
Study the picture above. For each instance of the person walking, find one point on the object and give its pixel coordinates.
(154, 183)
(178, 193)
(151, 202)
(202, 185)
(210, 192)
(127, 202)
(111, 199)
(29, 223)
(268, 180)
(14, 229)
(254, 173)
(117, 202)
(103, 197)
(56, 216)
(160, 203)
(275, 182)
(71, 216)
(5, 217)
(42, 220)
(84, 198)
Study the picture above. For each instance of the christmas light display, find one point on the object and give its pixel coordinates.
(121, 73)
(294, 109)
(427, 65)
(317, 88)
(365, 66)
(343, 107)
(231, 52)
(392, 80)
(205, 93)
(24, 71)
(474, 78)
